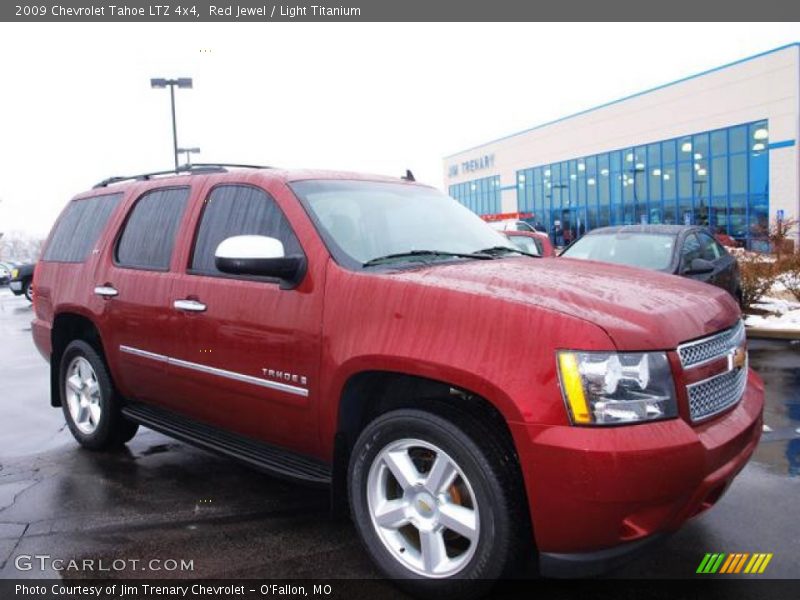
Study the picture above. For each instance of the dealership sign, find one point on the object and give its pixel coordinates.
(469, 166)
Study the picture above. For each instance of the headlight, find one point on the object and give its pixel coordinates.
(14, 273)
(607, 388)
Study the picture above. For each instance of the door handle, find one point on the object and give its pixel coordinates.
(106, 291)
(189, 305)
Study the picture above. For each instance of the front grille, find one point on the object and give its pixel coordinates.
(714, 395)
(712, 347)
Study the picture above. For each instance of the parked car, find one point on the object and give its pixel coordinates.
(366, 333)
(725, 240)
(688, 251)
(5, 272)
(21, 281)
(532, 242)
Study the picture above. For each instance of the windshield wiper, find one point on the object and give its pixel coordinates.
(432, 253)
(495, 251)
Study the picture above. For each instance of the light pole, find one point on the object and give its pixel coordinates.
(189, 152)
(181, 82)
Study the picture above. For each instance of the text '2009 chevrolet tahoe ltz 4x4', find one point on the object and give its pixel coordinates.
(472, 403)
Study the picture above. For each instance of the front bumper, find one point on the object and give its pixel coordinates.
(597, 495)
(588, 564)
(16, 287)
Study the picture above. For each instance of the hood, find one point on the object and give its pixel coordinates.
(638, 309)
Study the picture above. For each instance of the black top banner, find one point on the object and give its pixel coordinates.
(398, 10)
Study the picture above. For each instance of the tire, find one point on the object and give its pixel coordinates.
(493, 540)
(28, 290)
(90, 403)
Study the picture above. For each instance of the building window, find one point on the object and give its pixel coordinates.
(482, 196)
(718, 179)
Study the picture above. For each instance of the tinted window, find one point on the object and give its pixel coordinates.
(709, 248)
(79, 228)
(691, 249)
(149, 234)
(239, 210)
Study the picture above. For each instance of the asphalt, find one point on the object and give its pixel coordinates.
(160, 499)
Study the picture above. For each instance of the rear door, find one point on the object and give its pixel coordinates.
(135, 287)
(247, 355)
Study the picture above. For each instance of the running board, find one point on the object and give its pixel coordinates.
(275, 461)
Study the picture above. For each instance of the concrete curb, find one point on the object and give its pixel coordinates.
(772, 334)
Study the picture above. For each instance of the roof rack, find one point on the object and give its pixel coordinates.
(195, 168)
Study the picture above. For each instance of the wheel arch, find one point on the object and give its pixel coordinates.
(68, 326)
(367, 394)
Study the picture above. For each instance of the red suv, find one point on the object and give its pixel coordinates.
(472, 403)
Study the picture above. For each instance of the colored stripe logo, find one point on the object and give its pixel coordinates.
(737, 562)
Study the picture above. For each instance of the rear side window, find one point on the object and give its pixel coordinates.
(79, 228)
(239, 210)
(149, 234)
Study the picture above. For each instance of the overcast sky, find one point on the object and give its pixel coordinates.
(76, 104)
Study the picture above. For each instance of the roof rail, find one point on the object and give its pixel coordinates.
(196, 168)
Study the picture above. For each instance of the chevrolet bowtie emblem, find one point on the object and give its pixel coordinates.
(424, 505)
(737, 358)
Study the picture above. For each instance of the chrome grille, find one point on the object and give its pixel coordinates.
(712, 347)
(709, 397)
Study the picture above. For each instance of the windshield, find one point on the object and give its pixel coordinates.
(646, 250)
(367, 220)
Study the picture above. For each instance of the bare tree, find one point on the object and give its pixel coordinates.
(20, 247)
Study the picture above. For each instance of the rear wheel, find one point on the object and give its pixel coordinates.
(90, 402)
(437, 502)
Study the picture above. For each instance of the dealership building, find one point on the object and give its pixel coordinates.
(718, 148)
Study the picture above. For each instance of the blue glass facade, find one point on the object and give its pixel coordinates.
(481, 196)
(715, 178)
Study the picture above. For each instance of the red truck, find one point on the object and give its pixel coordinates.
(468, 403)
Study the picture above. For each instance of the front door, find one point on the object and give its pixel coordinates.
(247, 355)
(724, 263)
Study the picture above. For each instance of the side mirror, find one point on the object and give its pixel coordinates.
(699, 266)
(259, 255)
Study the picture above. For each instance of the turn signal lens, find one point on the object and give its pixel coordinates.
(573, 388)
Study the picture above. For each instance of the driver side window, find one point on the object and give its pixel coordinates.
(690, 250)
(232, 210)
(709, 249)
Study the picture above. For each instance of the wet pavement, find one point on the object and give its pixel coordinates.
(163, 500)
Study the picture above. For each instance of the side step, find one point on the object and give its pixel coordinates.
(274, 460)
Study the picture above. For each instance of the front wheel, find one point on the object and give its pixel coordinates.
(90, 402)
(437, 502)
(28, 290)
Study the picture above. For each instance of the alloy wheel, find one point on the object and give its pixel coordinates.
(423, 508)
(83, 395)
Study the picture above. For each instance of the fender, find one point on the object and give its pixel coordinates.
(437, 372)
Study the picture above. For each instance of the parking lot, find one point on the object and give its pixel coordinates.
(163, 500)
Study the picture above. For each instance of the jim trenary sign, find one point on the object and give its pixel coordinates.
(474, 164)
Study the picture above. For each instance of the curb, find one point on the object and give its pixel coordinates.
(772, 334)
